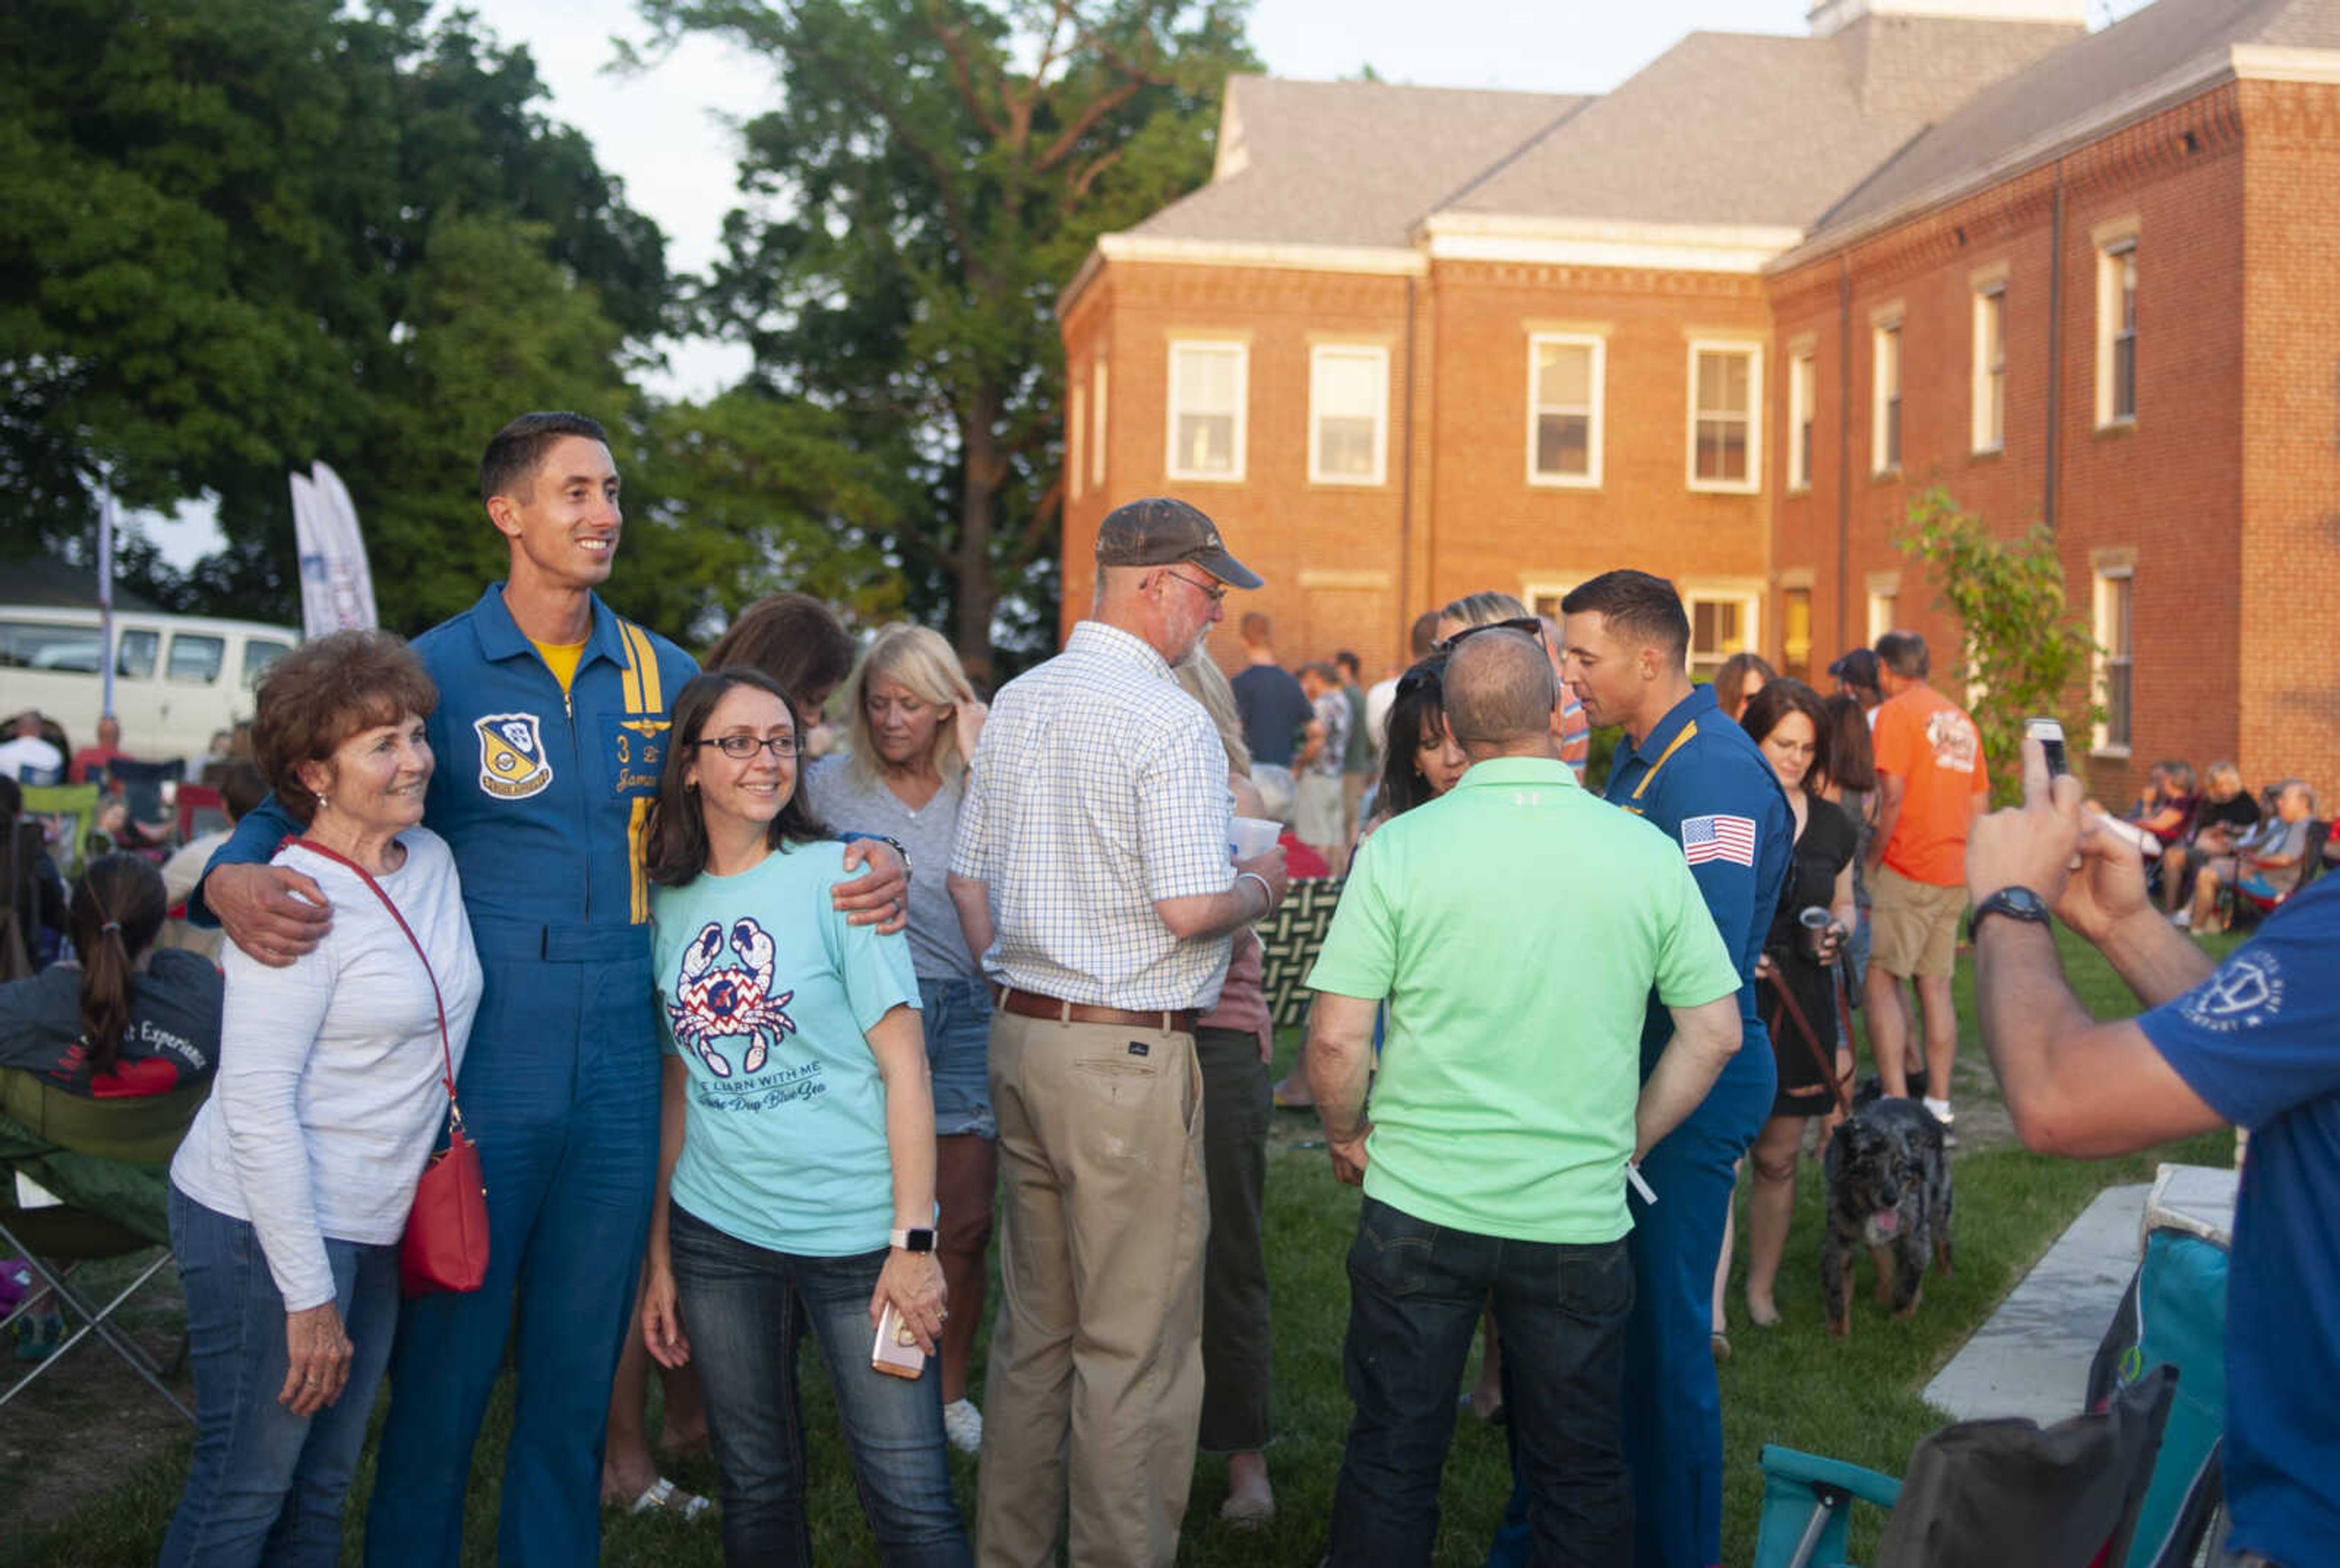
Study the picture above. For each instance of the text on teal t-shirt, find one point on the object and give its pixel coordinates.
(767, 994)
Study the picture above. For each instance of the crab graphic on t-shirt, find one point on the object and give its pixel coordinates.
(711, 1004)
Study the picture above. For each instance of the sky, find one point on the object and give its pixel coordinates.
(667, 131)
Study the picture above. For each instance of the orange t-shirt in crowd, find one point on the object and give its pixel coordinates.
(1928, 742)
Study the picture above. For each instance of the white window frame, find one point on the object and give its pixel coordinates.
(1987, 396)
(2116, 246)
(1595, 413)
(2102, 741)
(1096, 426)
(1885, 341)
(1171, 465)
(1378, 353)
(1753, 355)
(1803, 393)
(1884, 603)
(1076, 419)
(1748, 600)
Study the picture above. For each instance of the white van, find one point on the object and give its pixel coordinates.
(177, 679)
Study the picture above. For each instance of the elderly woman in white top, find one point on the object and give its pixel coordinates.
(291, 1193)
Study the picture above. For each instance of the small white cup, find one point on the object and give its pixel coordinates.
(1251, 837)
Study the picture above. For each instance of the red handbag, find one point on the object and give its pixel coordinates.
(446, 1242)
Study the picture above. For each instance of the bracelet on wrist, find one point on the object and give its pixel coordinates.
(1267, 905)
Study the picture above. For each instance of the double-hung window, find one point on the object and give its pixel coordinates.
(1725, 415)
(1565, 371)
(1348, 414)
(1210, 383)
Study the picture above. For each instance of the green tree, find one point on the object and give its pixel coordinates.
(2021, 648)
(238, 231)
(937, 172)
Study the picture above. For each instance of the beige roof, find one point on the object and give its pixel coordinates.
(1348, 162)
(1735, 128)
(2159, 42)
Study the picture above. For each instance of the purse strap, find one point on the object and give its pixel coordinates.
(446, 1052)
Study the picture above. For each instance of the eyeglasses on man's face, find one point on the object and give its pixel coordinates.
(1528, 625)
(739, 748)
(1216, 592)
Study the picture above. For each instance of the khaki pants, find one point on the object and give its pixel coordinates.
(1096, 1383)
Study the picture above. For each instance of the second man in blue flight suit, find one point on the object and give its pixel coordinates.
(549, 735)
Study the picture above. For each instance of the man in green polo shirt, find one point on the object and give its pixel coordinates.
(1516, 925)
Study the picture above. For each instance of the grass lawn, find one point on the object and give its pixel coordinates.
(1859, 1400)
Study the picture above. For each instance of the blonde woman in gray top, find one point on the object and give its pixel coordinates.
(912, 721)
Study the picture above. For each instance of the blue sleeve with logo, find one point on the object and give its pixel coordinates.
(2262, 1035)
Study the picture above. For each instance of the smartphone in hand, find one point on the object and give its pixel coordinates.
(2050, 733)
(896, 1351)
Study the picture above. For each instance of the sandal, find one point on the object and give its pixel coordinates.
(665, 1497)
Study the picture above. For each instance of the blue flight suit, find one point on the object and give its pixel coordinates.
(544, 798)
(1694, 764)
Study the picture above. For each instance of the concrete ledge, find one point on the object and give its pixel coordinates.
(2031, 1358)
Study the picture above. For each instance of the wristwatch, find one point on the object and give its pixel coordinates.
(2015, 903)
(918, 1240)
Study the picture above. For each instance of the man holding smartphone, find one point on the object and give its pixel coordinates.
(2254, 1041)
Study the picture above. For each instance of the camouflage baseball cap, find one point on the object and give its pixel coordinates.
(1162, 530)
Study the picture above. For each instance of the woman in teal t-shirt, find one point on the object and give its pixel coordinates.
(796, 1168)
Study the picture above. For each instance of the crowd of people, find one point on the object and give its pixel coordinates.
(754, 1042)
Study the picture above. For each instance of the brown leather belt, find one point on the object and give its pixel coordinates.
(1032, 1005)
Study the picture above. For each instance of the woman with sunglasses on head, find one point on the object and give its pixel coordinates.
(1790, 724)
(912, 721)
(797, 1159)
(1478, 611)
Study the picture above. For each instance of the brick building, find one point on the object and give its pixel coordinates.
(1726, 321)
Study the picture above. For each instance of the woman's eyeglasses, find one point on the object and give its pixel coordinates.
(1529, 625)
(739, 748)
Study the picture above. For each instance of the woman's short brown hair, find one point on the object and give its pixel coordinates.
(323, 692)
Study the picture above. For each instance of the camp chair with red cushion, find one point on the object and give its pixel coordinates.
(2311, 864)
(107, 1162)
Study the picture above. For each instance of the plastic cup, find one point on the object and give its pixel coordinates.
(1251, 837)
(1816, 921)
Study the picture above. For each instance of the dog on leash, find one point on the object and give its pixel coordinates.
(1888, 1191)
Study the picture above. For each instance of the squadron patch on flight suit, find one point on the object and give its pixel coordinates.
(512, 764)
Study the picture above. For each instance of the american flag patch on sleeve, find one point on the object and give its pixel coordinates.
(1730, 839)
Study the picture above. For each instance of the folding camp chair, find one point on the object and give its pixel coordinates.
(1289, 942)
(201, 811)
(65, 813)
(106, 1160)
(2311, 864)
(2006, 1493)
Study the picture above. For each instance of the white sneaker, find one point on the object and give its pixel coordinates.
(962, 1425)
(2183, 919)
(1941, 1110)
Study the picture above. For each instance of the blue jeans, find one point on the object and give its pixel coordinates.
(267, 1485)
(745, 1309)
(957, 1018)
(1415, 1291)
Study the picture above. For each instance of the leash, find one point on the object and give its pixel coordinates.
(1811, 1040)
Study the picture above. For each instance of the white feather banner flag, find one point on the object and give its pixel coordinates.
(336, 587)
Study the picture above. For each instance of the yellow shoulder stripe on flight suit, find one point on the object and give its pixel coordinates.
(1664, 756)
(643, 695)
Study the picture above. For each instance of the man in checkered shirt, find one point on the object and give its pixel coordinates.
(1091, 873)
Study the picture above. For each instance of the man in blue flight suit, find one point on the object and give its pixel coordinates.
(1697, 775)
(550, 736)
